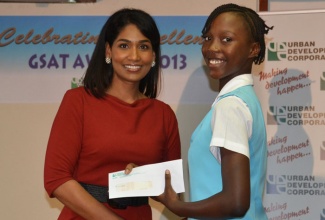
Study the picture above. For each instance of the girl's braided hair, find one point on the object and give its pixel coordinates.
(256, 24)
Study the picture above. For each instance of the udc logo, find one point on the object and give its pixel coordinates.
(277, 51)
(322, 151)
(322, 215)
(322, 82)
(76, 82)
(275, 184)
(276, 115)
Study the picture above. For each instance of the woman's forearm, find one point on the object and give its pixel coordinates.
(75, 197)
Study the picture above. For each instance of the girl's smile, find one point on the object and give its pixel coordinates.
(228, 47)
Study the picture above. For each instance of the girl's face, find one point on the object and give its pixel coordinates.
(131, 54)
(228, 49)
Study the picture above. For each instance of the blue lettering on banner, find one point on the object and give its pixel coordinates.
(57, 61)
(177, 61)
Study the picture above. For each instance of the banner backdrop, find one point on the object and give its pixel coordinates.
(291, 88)
(43, 56)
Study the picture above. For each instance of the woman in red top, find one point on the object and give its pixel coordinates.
(111, 121)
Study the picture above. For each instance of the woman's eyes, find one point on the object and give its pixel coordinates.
(141, 46)
(123, 46)
(144, 47)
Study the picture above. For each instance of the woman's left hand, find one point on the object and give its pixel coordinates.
(129, 168)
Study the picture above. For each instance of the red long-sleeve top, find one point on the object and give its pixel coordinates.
(92, 137)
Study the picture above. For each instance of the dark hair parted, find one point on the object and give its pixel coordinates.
(256, 24)
(99, 74)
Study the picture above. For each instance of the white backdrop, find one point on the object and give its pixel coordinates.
(291, 88)
(25, 125)
(290, 85)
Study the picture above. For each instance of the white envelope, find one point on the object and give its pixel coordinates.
(147, 180)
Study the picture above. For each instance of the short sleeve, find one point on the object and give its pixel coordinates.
(231, 126)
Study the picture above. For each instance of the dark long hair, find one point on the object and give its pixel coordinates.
(99, 74)
(256, 24)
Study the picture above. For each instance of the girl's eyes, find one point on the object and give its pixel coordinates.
(206, 38)
(227, 39)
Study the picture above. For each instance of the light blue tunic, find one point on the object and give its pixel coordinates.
(205, 170)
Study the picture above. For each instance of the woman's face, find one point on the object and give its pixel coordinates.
(131, 54)
(228, 47)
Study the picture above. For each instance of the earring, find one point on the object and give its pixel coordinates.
(153, 64)
(108, 60)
